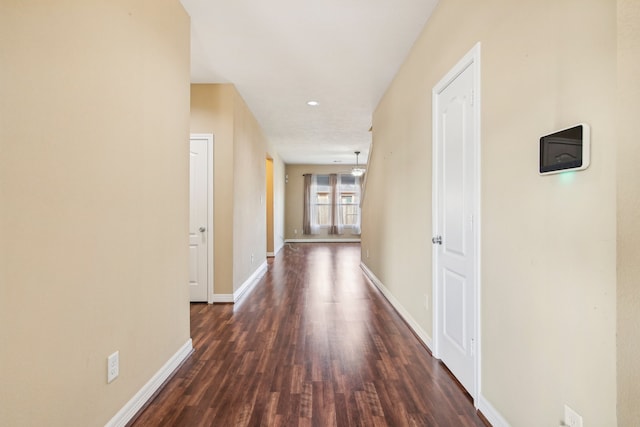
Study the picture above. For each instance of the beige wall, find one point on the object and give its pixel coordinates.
(628, 207)
(212, 112)
(249, 202)
(240, 150)
(294, 198)
(278, 200)
(93, 204)
(548, 243)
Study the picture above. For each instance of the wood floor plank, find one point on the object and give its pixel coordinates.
(314, 344)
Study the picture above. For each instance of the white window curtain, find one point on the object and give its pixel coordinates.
(355, 228)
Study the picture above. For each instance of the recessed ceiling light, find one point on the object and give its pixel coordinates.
(313, 103)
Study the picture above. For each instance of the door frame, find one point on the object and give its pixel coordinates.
(471, 59)
(208, 137)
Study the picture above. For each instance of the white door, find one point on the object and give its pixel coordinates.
(456, 153)
(198, 220)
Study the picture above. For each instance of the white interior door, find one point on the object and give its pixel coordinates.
(456, 209)
(198, 220)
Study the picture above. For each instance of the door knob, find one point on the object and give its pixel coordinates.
(203, 229)
(436, 240)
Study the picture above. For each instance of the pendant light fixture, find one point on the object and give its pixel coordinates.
(357, 171)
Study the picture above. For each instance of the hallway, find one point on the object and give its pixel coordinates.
(314, 344)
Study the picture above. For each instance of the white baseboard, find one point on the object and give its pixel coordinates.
(249, 284)
(490, 413)
(132, 407)
(276, 250)
(279, 248)
(223, 298)
(421, 333)
(242, 290)
(345, 240)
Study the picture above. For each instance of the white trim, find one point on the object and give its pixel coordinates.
(471, 59)
(279, 248)
(276, 251)
(477, 88)
(210, 212)
(132, 407)
(223, 298)
(322, 241)
(490, 413)
(250, 283)
(421, 333)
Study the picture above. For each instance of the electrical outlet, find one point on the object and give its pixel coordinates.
(251, 259)
(571, 417)
(367, 253)
(295, 231)
(113, 366)
(426, 301)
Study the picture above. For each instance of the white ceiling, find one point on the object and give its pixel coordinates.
(282, 53)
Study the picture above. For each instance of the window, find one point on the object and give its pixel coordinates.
(348, 209)
(333, 203)
(349, 201)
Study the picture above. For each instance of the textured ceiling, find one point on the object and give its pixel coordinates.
(282, 53)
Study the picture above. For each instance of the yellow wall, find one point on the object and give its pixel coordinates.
(240, 150)
(269, 171)
(628, 344)
(548, 260)
(294, 201)
(94, 127)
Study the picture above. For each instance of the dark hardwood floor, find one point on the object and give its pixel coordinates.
(314, 344)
